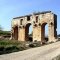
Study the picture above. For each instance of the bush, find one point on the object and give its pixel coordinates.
(1, 48)
(11, 49)
(35, 44)
(31, 45)
(8, 46)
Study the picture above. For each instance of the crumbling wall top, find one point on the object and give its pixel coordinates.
(35, 13)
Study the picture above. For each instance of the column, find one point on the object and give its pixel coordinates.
(51, 32)
(36, 33)
(21, 34)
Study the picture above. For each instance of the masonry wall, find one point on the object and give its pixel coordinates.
(21, 34)
(38, 21)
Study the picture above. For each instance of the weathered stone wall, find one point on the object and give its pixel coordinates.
(21, 34)
(38, 21)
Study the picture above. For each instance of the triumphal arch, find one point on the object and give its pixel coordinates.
(20, 26)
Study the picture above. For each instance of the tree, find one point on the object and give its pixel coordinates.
(0, 28)
(4, 32)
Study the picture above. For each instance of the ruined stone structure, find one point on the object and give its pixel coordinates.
(20, 26)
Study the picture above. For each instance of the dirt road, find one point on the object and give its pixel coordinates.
(46, 52)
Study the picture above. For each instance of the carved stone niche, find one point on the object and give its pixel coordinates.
(51, 23)
(19, 26)
(23, 26)
(35, 25)
(39, 24)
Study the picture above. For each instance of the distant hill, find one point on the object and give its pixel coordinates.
(5, 33)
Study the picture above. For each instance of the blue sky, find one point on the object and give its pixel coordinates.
(13, 8)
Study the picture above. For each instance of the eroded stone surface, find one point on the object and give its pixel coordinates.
(38, 21)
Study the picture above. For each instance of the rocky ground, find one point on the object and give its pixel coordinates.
(46, 52)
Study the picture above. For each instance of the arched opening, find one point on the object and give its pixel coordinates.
(45, 32)
(21, 21)
(36, 19)
(16, 32)
(28, 32)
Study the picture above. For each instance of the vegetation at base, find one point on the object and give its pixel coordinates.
(35, 44)
(9, 46)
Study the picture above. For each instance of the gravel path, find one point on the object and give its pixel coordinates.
(46, 52)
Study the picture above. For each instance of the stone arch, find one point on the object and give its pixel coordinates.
(15, 32)
(43, 31)
(21, 21)
(28, 38)
(38, 21)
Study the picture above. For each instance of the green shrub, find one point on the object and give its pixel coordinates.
(31, 45)
(1, 48)
(8, 46)
(9, 49)
(35, 44)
